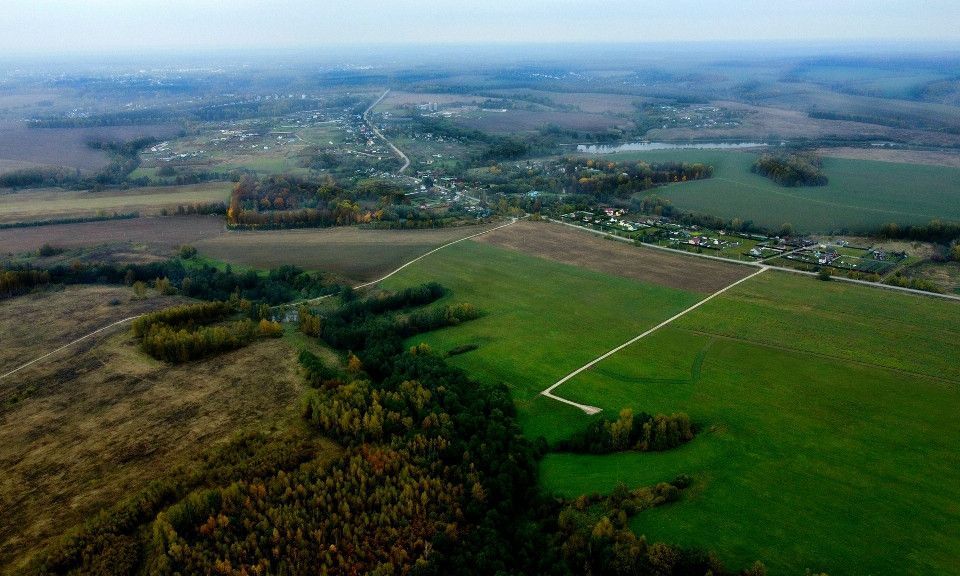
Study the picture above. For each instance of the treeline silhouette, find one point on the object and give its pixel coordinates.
(795, 169)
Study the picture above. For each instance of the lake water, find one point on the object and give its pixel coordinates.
(648, 146)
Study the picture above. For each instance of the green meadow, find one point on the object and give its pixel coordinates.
(541, 321)
(861, 196)
(828, 429)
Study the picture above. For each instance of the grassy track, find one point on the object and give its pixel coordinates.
(862, 194)
(828, 428)
(541, 320)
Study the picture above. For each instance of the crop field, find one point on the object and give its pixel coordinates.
(569, 246)
(356, 253)
(165, 233)
(29, 205)
(827, 428)
(84, 429)
(861, 196)
(537, 324)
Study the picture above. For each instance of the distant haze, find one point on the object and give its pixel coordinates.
(137, 26)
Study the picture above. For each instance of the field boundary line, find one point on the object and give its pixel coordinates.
(548, 392)
(417, 259)
(762, 262)
(68, 344)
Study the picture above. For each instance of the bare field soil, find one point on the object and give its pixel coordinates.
(930, 158)
(68, 147)
(564, 244)
(163, 232)
(80, 310)
(82, 432)
(29, 205)
(357, 253)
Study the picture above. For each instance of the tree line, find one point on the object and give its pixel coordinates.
(604, 180)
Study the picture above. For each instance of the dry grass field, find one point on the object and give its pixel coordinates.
(42, 204)
(80, 310)
(85, 429)
(355, 253)
(162, 232)
(926, 157)
(564, 244)
(67, 147)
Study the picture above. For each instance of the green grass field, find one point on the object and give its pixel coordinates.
(541, 320)
(861, 196)
(828, 428)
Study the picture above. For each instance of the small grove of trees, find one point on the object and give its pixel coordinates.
(15, 282)
(178, 334)
(641, 432)
(603, 180)
(597, 539)
(936, 231)
(795, 169)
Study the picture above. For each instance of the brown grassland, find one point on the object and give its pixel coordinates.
(356, 253)
(49, 203)
(79, 310)
(163, 232)
(564, 244)
(67, 147)
(93, 424)
(927, 157)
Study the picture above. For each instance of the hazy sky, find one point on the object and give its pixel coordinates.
(147, 25)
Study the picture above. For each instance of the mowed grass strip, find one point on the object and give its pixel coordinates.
(581, 248)
(828, 428)
(542, 320)
(28, 205)
(862, 194)
(357, 253)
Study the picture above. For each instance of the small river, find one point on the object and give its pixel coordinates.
(648, 146)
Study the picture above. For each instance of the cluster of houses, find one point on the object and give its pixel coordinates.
(613, 217)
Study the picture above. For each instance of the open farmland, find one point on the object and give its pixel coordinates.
(29, 205)
(536, 324)
(67, 147)
(564, 244)
(862, 195)
(357, 253)
(163, 232)
(826, 416)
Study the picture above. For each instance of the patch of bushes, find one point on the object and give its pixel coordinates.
(796, 169)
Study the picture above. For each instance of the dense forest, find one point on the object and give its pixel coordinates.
(430, 475)
(795, 169)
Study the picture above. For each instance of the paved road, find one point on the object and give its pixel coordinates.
(593, 409)
(366, 118)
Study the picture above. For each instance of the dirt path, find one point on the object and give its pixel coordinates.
(357, 287)
(593, 409)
